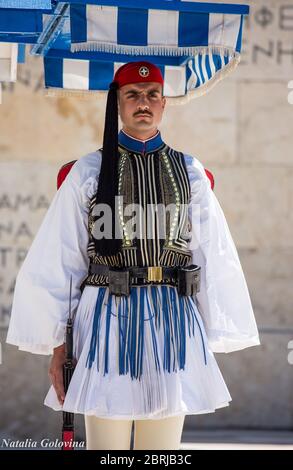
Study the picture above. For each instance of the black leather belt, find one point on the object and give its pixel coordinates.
(187, 277)
(150, 273)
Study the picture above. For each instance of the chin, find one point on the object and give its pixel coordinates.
(144, 123)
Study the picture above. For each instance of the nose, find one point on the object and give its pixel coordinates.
(142, 101)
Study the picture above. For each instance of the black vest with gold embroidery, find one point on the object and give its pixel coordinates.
(148, 178)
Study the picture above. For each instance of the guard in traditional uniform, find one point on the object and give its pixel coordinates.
(152, 300)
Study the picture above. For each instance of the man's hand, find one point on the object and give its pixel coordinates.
(56, 372)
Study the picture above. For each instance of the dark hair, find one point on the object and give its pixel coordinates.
(108, 178)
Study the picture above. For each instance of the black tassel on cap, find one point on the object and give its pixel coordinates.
(108, 178)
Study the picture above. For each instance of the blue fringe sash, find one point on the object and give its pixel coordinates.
(176, 314)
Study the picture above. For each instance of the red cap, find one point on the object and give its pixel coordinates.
(135, 72)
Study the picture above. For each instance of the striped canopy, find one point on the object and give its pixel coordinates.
(156, 27)
(195, 44)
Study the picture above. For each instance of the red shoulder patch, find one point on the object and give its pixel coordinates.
(211, 178)
(63, 172)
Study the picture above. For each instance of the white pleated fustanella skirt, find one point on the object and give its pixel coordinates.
(145, 356)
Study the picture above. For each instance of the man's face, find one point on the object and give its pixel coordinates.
(141, 105)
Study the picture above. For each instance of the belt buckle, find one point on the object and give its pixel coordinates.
(155, 273)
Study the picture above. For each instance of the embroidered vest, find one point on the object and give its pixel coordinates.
(147, 179)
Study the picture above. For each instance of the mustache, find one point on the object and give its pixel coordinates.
(147, 113)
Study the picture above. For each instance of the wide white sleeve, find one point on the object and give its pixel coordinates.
(223, 301)
(59, 250)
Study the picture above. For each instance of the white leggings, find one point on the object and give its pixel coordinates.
(110, 434)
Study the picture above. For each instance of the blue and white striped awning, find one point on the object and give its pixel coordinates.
(80, 72)
(79, 76)
(158, 27)
(186, 75)
(196, 44)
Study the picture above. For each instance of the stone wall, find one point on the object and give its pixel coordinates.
(242, 132)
